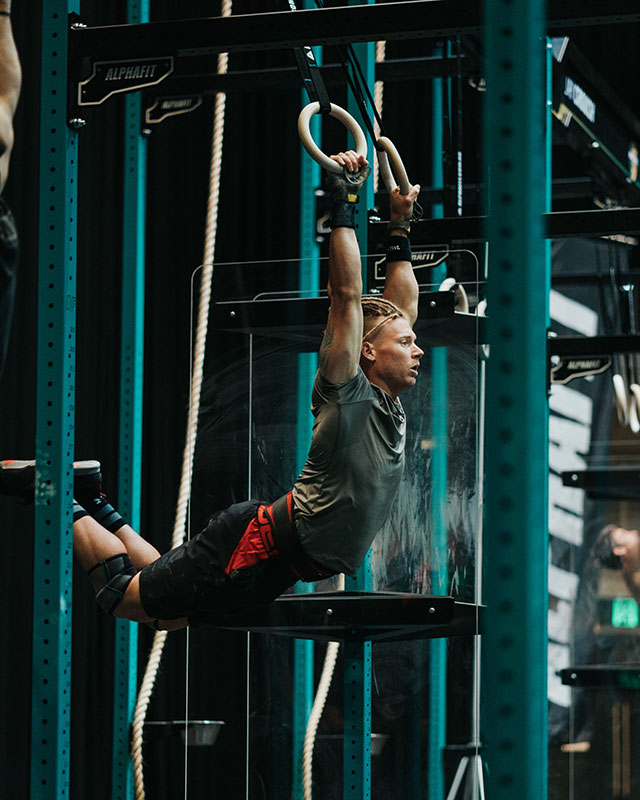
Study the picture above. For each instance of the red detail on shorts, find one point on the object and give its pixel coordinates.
(256, 543)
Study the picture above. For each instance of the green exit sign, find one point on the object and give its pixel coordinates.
(624, 613)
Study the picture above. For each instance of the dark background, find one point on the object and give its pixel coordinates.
(258, 220)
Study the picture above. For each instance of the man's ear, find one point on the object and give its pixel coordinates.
(368, 351)
(619, 550)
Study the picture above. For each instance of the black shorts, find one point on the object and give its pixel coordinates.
(190, 580)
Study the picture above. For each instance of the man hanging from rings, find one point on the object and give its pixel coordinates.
(251, 552)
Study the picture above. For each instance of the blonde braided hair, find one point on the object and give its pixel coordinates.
(373, 309)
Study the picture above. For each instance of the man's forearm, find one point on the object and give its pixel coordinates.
(401, 286)
(345, 269)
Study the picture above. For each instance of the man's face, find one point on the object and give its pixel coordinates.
(396, 357)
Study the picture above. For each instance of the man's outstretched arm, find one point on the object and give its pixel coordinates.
(401, 287)
(10, 82)
(340, 350)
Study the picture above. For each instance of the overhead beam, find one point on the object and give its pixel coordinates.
(409, 19)
(558, 225)
(197, 76)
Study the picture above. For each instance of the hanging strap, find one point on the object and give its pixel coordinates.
(311, 78)
(309, 69)
(358, 84)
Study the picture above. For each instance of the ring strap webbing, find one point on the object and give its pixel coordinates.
(358, 83)
(308, 68)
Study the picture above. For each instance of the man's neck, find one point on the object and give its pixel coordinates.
(383, 388)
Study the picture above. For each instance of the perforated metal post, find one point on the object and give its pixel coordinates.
(54, 446)
(515, 642)
(357, 721)
(308, 282)
(131, 394)
(357, 656)
(437, 687)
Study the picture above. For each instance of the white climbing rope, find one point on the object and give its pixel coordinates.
(314, 718)
(324, 684)
(378, 96)
(179, 529)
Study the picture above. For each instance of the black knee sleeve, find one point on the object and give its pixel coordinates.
(110, 579)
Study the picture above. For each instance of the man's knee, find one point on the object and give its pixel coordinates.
(112, 580)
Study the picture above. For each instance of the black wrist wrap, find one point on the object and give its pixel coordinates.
(398, 249)
(344, 198)
(343, 212)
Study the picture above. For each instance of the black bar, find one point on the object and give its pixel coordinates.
(360, 616)
(558, 225)
(596, 676)
(302, 321)
(310, 314)
(198, 75)
(592, 345)
(619, 483)
(411, 19)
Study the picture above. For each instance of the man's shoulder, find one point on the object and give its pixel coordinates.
(356, 388)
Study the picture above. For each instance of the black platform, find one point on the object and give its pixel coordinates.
(303, 320)
(598, 676)
(361, 616)
(605, 483)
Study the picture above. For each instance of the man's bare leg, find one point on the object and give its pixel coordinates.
(92, 544)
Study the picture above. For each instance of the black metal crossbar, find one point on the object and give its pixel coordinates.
(613, 482)
(597, 676)
(303, 320)
(360, 616)
(592, 345)
(410, 19)
(558, 225)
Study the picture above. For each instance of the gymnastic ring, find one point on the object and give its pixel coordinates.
(391, 165)
(484, 349)
(312, 148)
(620, 394)
(634, 406)
(462, 301)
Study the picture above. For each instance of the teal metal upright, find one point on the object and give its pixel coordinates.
(54, 445)
(515, 541)
(357, 656)
(308, 284)
(131, 394)
(437, 688)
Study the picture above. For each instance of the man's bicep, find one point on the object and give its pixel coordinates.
(339, 355)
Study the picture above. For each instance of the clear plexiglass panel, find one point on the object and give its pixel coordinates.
(253, 440)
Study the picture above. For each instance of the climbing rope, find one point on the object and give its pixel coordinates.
(179, 529)
(314, 718)
(378, 98)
